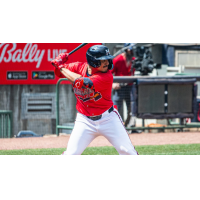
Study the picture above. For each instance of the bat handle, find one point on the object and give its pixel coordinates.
(82, 45)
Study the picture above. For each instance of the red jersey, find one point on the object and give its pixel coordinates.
(121, 68)
(95, 101)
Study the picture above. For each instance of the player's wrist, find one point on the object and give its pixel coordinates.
(60, 67)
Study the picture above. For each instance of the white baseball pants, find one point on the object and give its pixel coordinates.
(110, 126)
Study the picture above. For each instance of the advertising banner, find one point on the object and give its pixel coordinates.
(29, 63)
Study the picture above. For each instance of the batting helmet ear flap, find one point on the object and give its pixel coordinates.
(110, 66)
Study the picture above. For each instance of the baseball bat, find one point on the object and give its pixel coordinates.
(70, 53)
(77, 48)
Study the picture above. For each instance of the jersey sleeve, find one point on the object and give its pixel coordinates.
(73, 67)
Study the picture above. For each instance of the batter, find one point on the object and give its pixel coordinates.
(92, 84)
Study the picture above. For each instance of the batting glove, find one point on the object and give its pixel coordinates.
(61, 59)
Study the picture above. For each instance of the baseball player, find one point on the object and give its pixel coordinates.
(92, 85)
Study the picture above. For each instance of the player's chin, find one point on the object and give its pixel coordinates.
(105, 69)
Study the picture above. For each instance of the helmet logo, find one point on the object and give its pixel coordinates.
(94, 48)
(107, 52)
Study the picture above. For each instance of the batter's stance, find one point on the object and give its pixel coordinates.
(92, 85)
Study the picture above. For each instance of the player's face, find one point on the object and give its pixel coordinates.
(129, 53)
(104, 66)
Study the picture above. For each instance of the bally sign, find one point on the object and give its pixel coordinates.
(29, 63)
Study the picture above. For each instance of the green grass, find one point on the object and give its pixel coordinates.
(181, 149)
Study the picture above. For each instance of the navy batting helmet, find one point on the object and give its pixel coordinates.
(97, 53)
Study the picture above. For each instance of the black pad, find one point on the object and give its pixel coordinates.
(180, 98)
(151, 98)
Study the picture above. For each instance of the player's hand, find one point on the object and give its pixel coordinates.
(116, 86)
(61, 59)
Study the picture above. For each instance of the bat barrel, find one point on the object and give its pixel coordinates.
(82, 45)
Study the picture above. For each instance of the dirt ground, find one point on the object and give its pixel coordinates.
(53, 141)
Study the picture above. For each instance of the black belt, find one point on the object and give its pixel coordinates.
(95, 118)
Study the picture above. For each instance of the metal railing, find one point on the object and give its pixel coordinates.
(58, 126)
(6, 123)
